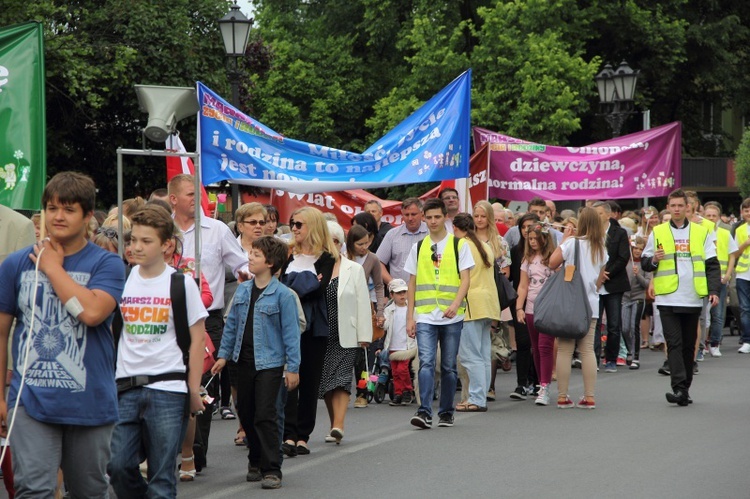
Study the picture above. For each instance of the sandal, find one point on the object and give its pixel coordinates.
(472, 408)
(240, 439)
(187, 475)
(462, 406)
(226, 413)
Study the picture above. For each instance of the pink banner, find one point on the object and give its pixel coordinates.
(643, 164)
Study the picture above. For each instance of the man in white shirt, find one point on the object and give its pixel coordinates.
(218, 247)
(682, 256)
(438, 269)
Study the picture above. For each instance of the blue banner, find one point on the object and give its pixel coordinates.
(430, 145)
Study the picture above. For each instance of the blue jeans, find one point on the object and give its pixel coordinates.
(717, 317)
(476, 354)
(152, 424)
(743, 294)
(428, 336)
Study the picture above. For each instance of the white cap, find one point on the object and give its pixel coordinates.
(397, 285)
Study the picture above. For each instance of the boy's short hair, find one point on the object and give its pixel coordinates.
(155, 216)
(677, 193)
(71, 188)
(434, 204)
(274, 250)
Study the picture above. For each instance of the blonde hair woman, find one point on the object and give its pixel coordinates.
(486, 231)
(592, 258)
(308, 272)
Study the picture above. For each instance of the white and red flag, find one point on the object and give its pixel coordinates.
(177, 165)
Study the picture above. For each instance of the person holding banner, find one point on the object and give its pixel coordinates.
(308, 272)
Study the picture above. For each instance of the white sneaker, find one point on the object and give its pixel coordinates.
(543, 397)
(745, 348)
(714, 351)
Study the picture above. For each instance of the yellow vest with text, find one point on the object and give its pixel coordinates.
(430, 293)
(722, 248)
(666, 279)
(743, 262)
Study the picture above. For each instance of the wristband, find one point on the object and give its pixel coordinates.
(74, 307)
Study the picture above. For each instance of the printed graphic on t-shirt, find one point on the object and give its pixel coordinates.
(59, 339)
(145, 317)
(682, 248)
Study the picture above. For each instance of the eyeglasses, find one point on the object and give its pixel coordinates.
(434, 256)
(108, 232)
(296, 225)
(253, 223)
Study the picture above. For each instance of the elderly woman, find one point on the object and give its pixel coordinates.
(349, 327)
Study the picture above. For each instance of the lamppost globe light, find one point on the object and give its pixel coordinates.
(625, 79)
(235, 31)
(605, 85)
(616, 90)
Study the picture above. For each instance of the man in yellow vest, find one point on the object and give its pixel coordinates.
(727, 252)
(682, 256)
(438, 268)
(743, 275)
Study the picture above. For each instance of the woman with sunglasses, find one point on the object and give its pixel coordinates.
(475, 348)
(251, 224)
(308, 272)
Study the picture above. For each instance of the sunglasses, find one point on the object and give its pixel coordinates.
(108, 232)
(296, 225)
(253, 223)
(434, 256)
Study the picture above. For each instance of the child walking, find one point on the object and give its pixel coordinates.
(633, 303)
(535, 271)
(152, 381)
(400, 347)
(262, 333)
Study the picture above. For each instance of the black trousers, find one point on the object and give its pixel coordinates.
(680, 325)
(525, 371)
(257, 393)
(214, 328)
(302, 403)
(612, 305)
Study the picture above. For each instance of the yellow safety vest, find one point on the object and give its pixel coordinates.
(722, 248)
(743, 262)
(430, 293)
(707, 224)
(666, 278)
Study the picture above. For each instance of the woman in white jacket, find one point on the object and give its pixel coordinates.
(350, 327)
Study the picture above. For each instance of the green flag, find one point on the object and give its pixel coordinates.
(23, 143)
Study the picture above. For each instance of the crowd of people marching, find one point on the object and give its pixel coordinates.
(283, 315)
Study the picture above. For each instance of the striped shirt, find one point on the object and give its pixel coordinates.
(394, 250)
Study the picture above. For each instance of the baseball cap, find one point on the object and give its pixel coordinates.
(397, 285)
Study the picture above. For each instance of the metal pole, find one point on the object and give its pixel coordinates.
(235, 81)
(120, 242)
(198, 214)
(646, 126)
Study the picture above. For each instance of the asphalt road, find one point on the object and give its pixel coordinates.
(633, 445)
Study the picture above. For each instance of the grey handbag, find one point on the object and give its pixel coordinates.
(562, 307)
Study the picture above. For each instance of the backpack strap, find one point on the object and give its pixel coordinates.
(179, 313)
(455, 252)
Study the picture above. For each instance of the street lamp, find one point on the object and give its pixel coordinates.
(616, 89)
(235, 31)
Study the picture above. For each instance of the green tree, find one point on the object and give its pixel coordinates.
(742, 164)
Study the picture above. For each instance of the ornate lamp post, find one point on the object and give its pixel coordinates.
(616, 89)
(235, 31)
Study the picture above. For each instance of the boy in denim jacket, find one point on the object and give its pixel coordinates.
(262, 334)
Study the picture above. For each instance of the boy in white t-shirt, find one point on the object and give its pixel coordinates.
(151, 374)
(400, 347)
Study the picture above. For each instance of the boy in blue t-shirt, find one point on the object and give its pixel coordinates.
(62, 348)
(262, 333)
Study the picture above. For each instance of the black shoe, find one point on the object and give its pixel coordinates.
(397, 400)
(199, 457)
(695, 368)
(446, 420)
(406, 398)
(690, 400)
(519, 393)
(678, 397)
(303, 450)
(422, 420)
(253, 474)
(289, 450)
(664, 369)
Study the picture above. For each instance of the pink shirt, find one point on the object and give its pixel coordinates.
(538, 274)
